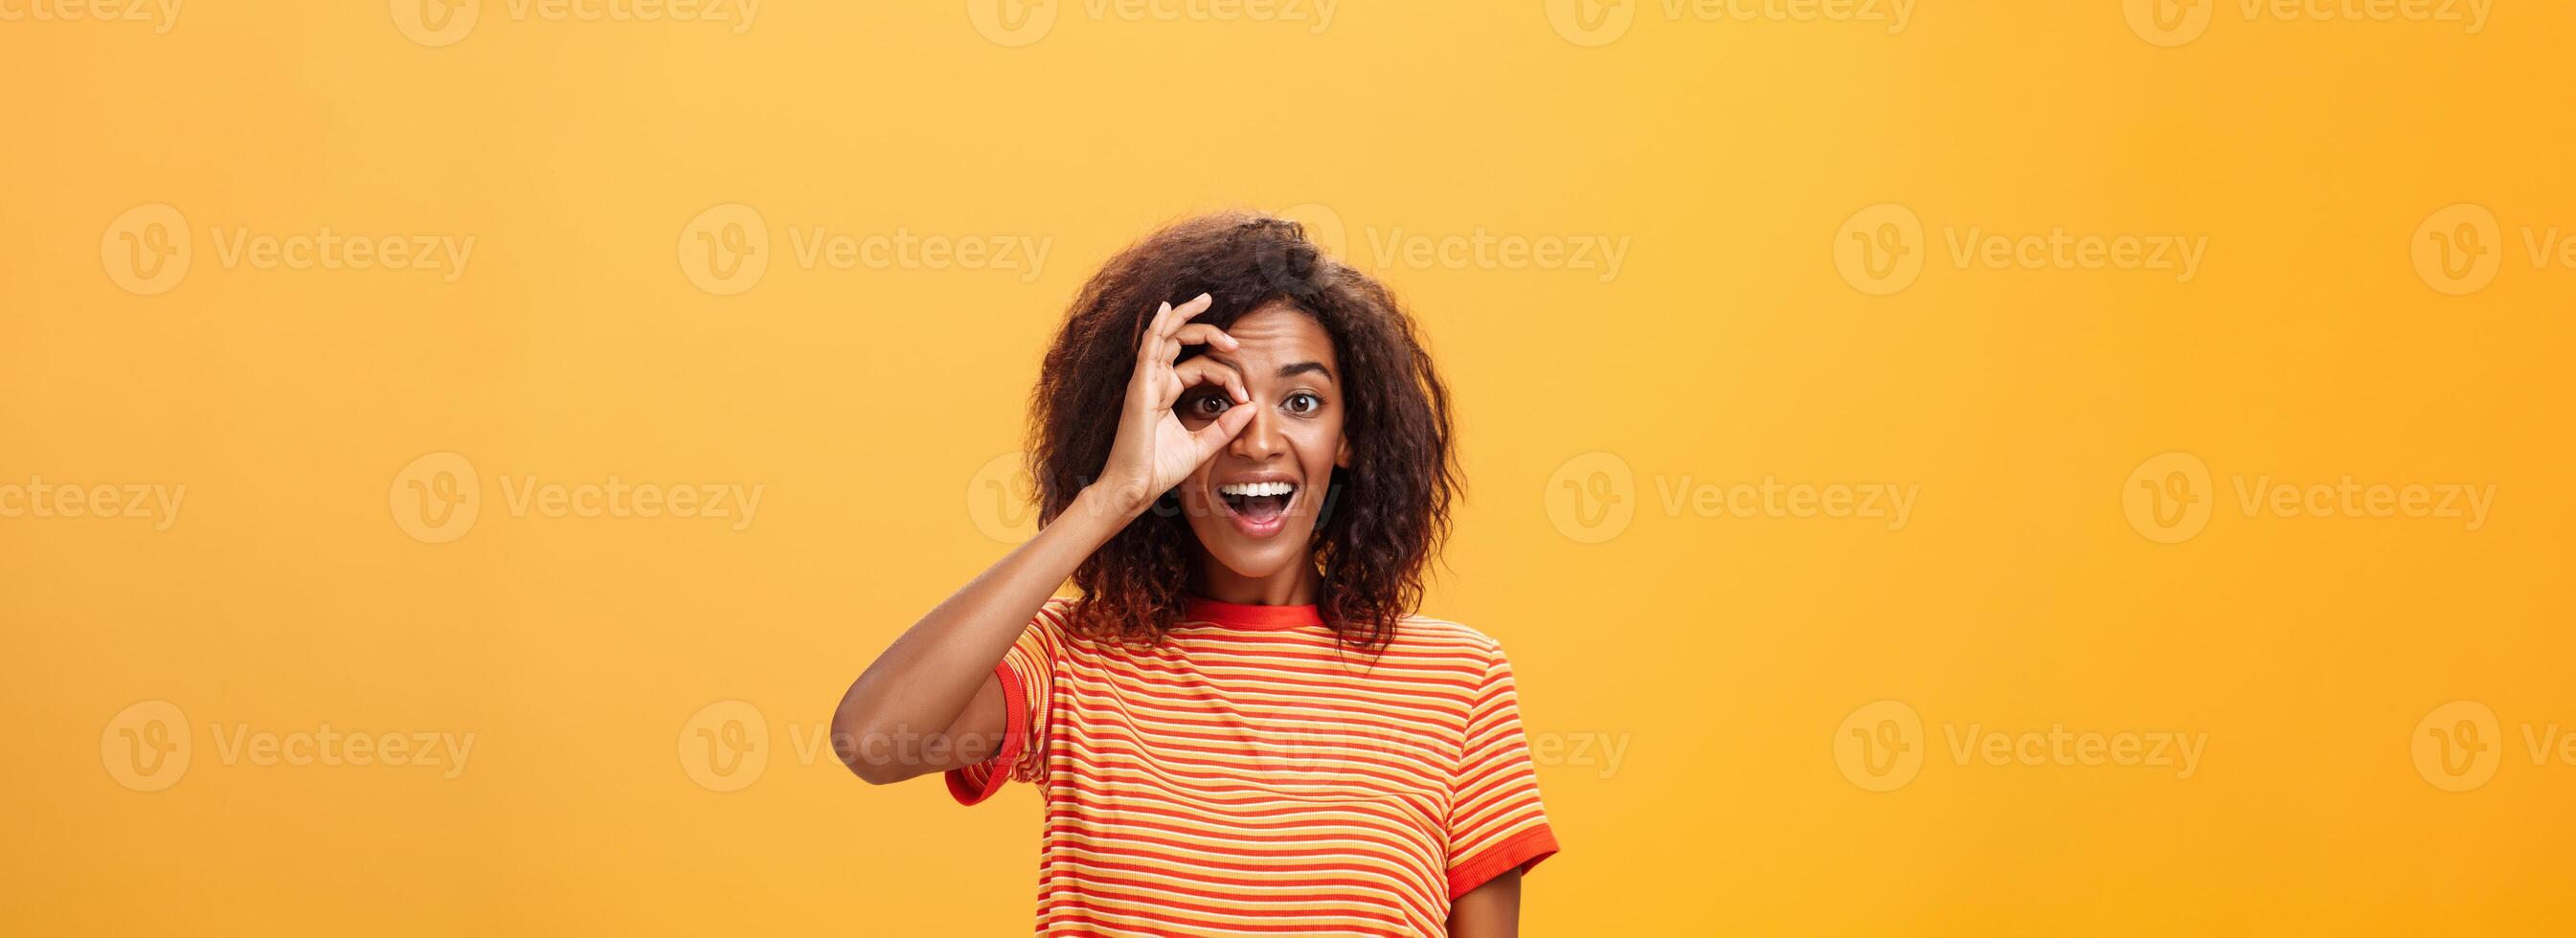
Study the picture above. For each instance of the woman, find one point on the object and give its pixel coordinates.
(1237, 723)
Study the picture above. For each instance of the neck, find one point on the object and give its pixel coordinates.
(1294, 586)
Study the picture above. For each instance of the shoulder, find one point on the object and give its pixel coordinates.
(1060, 627)
(1434, 634)
(1051, 627)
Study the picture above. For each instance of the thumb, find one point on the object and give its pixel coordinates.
(1223, 429)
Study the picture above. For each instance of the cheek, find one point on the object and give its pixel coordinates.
(1193, 491)
(1318, 445)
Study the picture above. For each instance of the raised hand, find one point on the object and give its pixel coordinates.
(1154, 451)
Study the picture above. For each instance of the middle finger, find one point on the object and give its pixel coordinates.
(1200, 333)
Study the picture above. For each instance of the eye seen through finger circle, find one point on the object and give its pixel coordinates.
(1205, 404)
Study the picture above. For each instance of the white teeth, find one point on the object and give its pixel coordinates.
(1257, 488)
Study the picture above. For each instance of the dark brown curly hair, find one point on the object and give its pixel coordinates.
(1383, 517)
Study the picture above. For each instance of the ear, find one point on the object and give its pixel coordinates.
(1342, 452)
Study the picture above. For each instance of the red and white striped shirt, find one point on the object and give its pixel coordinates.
(1250, 773)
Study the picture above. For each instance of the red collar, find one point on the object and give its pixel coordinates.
(1240, 616)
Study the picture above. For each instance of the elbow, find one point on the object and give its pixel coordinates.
(875, 774)
(849, 728)
(863, 748)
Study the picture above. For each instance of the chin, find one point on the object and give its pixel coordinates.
(1256, 562)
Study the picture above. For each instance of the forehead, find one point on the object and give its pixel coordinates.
(1280, 334)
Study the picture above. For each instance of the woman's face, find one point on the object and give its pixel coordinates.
(1254, 506)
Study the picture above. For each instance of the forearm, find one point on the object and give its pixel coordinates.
(923, 682)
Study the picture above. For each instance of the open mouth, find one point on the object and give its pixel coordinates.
(1257, 506)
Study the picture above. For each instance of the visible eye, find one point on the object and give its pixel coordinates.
(1303, 402)
(1205, 405)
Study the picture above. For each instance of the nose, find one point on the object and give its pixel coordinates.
(1260, 440)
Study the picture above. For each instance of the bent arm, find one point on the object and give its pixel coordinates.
(929, 702)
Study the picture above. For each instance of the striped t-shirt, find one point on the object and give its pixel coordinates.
(1249, 773)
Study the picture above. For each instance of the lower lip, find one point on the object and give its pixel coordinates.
(1252, 528)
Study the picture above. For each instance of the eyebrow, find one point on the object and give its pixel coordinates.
(1291, 371)
(1285, 371)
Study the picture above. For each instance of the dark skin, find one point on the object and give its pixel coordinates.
(1260, 405)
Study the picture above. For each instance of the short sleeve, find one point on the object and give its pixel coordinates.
(1495, 820)
(1027, 676)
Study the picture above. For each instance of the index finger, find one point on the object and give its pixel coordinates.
(1151, 342)
(1200, 333)
(1181, 315)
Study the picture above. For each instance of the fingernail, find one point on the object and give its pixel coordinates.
(1202, 296)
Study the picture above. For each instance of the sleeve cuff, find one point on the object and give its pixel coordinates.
(1521, 852)
(972, 784)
